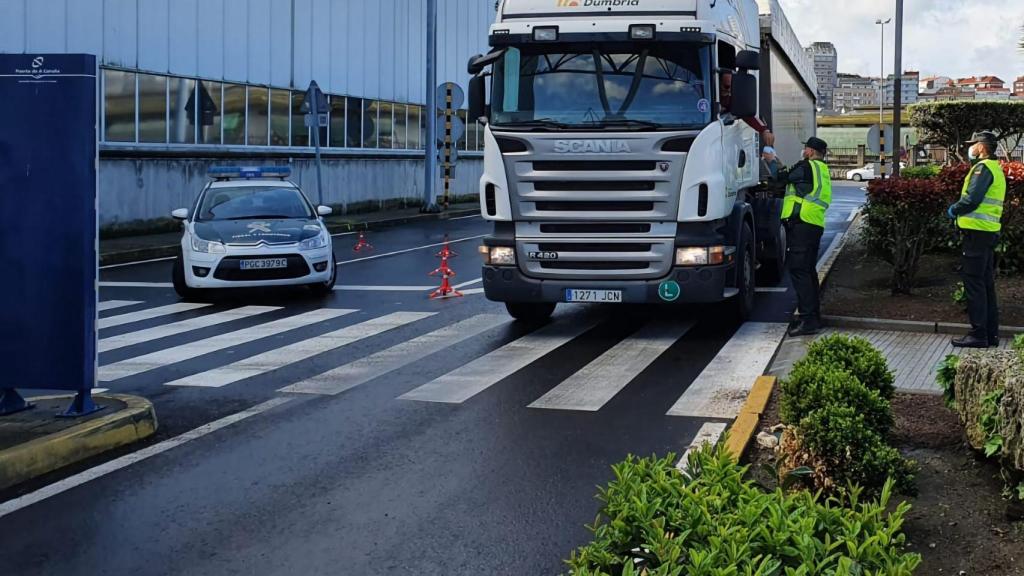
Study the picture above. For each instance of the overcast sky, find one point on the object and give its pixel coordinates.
(955, 38)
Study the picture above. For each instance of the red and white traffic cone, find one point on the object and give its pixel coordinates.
(362, 243)
(446, 273)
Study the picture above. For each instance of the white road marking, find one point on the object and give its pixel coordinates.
(472, 291)
(148, 314)
(281, 357)
(466, 217)
(384, 288)
(127, 264)
(407, 250)
(722, 388)
(133, 338)
(828, 253)
(100, 390)
(114, 305)
(140, 364)
(136, 285)
(102, 470)
(470, 283)
(598, 382)
(853, 215)
(375, 365)
(471, 379)
(709, 433)
(338, 235)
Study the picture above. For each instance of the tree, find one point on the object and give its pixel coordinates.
(951, 124)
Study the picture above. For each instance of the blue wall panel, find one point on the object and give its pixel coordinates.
(302, 66)
(260, 32)
(120, 33)
(86, 33)
(236, 40)
(44, 20)
(281, 42)
(12, 26)
(154, 32)
(210, 39)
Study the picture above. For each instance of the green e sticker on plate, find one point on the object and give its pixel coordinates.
(669, 291)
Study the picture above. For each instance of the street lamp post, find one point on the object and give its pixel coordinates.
(881, 99)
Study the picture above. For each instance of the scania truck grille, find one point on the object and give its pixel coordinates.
(621, 259)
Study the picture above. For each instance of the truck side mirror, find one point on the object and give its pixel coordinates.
(477, 98)
(744, 95)
(748, 60)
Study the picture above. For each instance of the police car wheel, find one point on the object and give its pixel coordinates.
(325, 288)
(178, 279)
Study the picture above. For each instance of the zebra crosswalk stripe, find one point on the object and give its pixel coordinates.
(133, 338)
(191, 350)
(462, 384)
(598, 382)
(148, 314)
(370, 367)
(114, 305)
(722, 388)
(281, 357)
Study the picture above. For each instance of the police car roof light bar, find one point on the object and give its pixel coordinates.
(248, 172)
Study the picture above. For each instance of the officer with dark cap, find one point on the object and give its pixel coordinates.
(808, 196)
(979, 215)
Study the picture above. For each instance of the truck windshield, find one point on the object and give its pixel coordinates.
(603, 86)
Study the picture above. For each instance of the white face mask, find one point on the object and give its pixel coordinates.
(972, 154)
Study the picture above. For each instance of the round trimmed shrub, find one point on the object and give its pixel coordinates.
(858, 357)
(813, 385)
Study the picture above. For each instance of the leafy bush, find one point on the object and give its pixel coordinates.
(813, 385)
(904, 218)
(853, 451)
(657, 522)
(921, 172)
(857, 356)
(945, 375)
(1018, 345)
(951, 124)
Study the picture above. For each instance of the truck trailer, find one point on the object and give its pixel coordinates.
(622, 156)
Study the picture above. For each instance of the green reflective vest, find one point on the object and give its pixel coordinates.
(988, 217)
(814, 205)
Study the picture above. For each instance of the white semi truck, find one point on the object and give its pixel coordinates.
(619, 167)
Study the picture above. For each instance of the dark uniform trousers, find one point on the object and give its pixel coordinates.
(979, 274)
(802, 260)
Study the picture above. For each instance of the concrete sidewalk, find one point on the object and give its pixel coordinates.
(151, 246)
(912, 356)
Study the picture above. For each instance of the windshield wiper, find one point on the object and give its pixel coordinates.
(260, 217)
(630, 123)
(538, 123)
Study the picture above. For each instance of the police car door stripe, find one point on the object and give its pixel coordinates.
(462, 384)
(148, 314)
(722, 388)
(133, 338)
(598, 382)
(367, 368)
(281, 357)
(189, 351)
(115, 304)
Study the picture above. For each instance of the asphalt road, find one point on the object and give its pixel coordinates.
(376, 431)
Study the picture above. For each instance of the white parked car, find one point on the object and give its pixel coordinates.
(866, 173)
(251, 227)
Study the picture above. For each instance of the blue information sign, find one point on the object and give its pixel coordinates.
(48, 226)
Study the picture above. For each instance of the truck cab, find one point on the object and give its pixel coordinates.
(621, 159)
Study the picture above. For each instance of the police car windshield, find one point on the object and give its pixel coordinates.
(250, 203)
(603, 86)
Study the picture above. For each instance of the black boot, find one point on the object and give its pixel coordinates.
(970, 341)
(805, 329)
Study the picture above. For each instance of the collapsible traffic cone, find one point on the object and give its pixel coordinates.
(362, 243)
(446, 273)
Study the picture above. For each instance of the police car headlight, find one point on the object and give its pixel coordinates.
(207, 247)
(315, 243)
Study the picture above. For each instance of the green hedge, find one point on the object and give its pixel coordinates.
(813, 385)
(655, 521)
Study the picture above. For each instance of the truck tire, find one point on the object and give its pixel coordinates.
(178, 279)
(743, 303)
(531, 313)
(773, 265)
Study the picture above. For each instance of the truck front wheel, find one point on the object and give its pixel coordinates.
(743, 304)
(532, 313)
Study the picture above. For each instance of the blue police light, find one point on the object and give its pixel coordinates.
(248, 172)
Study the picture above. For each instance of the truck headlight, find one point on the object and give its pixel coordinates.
(702, 256)
(207, 247)
(315, 243)
(499, 255)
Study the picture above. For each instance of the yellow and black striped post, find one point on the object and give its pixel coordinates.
(881, 150)
(447, 164)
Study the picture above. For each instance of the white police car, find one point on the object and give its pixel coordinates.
(250, 227)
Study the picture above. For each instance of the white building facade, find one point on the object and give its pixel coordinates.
(189, 83)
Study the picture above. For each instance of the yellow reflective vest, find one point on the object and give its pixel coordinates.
(989, 215)
(814, 205)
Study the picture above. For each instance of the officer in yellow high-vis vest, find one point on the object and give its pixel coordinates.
(979, 215)
(808, 197)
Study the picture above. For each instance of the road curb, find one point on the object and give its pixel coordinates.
(157, 252)
(749, 418)
(909, 326)
(830, 262)
(136, 421)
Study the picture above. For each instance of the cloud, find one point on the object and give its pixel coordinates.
(941, 37)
